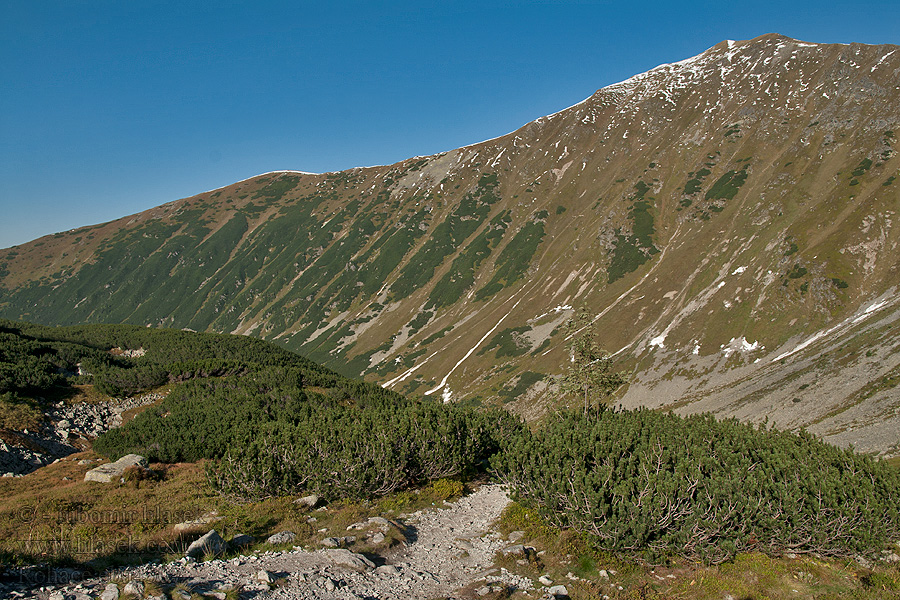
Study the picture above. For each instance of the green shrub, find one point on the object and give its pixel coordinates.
(361, 453)
(657, 484)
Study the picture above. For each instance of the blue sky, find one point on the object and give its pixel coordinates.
(108, 108)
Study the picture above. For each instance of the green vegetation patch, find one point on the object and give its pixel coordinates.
(519, 385)
(634, 249)
(447, 237)
(863, 166)
(461, 276)
(515, 259)
(797, 271)
(655, 484)
(508, 342)
(728, 185)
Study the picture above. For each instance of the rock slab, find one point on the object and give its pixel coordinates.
(114, 471)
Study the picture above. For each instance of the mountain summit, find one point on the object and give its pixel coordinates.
(729, 219)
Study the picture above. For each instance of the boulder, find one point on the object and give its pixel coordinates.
(345, 558)
(114, 471)
(134, 588)
(264, 576)
(211, 543)
(282, 537)
(110, 593)
(558, 591)
(515, 550)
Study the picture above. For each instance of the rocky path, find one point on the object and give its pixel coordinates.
(447, 548)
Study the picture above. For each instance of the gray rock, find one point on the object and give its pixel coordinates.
(349, 559)
(211, 543)
(282, 537)
(558, 591)
(264, 576)
(196, 523)
(515, 536)
(241, 540)
(378, 538)
(113, 471)
(545, 580)
(135, 588)
(110, 593)
(389, 570)
(381, 522)
(57, 595)
(514, 550)
(331, 542)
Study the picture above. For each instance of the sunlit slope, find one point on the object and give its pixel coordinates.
(714, 213)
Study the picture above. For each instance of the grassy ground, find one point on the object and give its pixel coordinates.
(568, 559)
(53, 515)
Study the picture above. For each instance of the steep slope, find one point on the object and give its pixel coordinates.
(728, 218)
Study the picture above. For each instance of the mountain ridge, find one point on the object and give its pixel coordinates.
(713, 213)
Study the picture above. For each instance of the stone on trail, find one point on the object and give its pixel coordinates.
(345, 558)
(211, 543)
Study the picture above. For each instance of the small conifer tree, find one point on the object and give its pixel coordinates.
(590, 375)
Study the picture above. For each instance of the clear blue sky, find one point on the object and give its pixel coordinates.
(108, 107)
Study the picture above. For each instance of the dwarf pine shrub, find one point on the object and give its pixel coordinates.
(348, 452)
(642, 482)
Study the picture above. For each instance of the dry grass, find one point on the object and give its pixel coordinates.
(53, 514)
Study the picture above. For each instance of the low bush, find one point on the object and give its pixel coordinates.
(349, 452)
(657, 484)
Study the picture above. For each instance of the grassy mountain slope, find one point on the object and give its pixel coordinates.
(729, 219)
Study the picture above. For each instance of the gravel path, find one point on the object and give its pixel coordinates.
(447, 548)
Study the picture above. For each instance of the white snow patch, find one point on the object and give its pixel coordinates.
(869, 310)
(739, 270)
(471, 350)
(739, 345)
(821, 334)
(658, 341)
